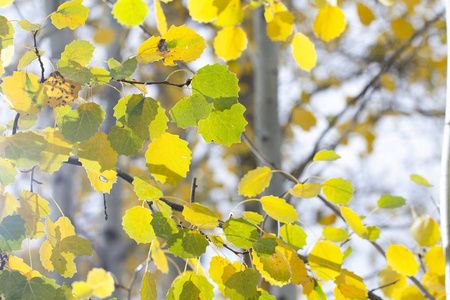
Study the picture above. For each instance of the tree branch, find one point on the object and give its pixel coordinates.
(186, 83)
(39, 57)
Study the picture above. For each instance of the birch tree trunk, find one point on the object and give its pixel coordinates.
(445, 170)
(267, 127)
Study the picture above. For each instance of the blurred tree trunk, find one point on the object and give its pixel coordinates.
(267, 127)
(445, 170)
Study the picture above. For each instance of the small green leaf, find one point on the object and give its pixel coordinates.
(334, 234)
(338, 190)
(79, 51)
(215, 82)
(141, 111)
(12, 284)
(293, 235)
(389, 201)
(326, 155)
(82, 123)
(124, 141)
(75, 72)
(187, 243)
(28, 26)
(240, 233)
(190, 110)
(420, 180)
(265, 246)
(120, 71)
(242, 285)
(163, 225)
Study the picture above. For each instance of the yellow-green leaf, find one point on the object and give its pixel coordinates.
(326, 155)
(80, 51)
(325, 260)
(275, 268)
(230, 42)
(148, 288)
(425, 231)
(200, 215)
(278, 209)
(307, 190)
(96, 153)
(435, 261)
(338, 190)
(57, 151)
(334, 234)
(7, 172)
(136, 223)
(146, 189)
(130, 12)
(23, 149)
(401, 260)
(293, 235)
(420, 180)
(389, 201)
(304, 52)
(168, 158)
(183, 45)
(255, 181)
(70, 14)
(329, 23)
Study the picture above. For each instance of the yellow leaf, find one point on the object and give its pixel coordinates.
(325, 260)
(420, 180)
(326, 155)
(183, 45)
(274, 269)
(305, 55)
(434, 259)
(161, 23)
(386, 277)
(96, 153)
(329, 23)
(59, 230)
(200, 215)
(136, 223)
(425, 231)
(402, 260)
(16, 263)
(101, 282)
(32, 209)
(152, 50)
(221, 270)
(147, 189)
(334, 234)
(4, 3)
(8, 205)
(278, 209)
(70, 14)
(104, 35)
(45, 252)
(434, 284)
(230, 42)
(365, 14)
(168, 158)
(354, 221)
(351, 285)
(229, 12)
(148, 287)
(158, 257)
(202, 11)
(81, 289)
(338, 190)
(252, 217)
(402, 29)
(130, 12)
(272, 9)
(307, 190)
(387, 82)
(24, 92)
(255, 181)
(302, 117)
(58, 151)
(280, 27)
(102, 182)
(60, 91)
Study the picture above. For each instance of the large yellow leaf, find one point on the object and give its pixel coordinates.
(338, 190)
(168, 158)
(102, 282)
(435, 261)
(220, 270)
(306, 190)
(351, 285)
(229, 12)
(161, 23)
(202, 10)
(280, 27)
(278, 209)
(153, 49)
(255, 181)
(102, 182)
(60, 91)
(230, 42)
(325, 260)
(16, 263)
(136, 223)
(329, 23)
(200, 215)
(303, 51)
(130, 12)
(425, 231)
(183, 45)
(24, 92)
(58, 151)
(402, 260)
(96, 153)
(354, 221)
(70, 14)
(386, 277)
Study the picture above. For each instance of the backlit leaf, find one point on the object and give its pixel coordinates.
(325, 260)
(168, 158)
(100, 75)
(293, 235)
(96, 153)
(28, 26)
(102, 282)
(6, 33)
(200, 215)
(420, 180)
(265, 247)
(5, 2)
(435, 261)
(79, 51)
(16, 286)
(190, 285)
(163, 225)
(12, 233)
(354, 221)
(161, 23)
(32, 208)
(334, 234)
(24, 92)
(8, 205)
(242, 285)
(425, 231)
(7, 172)
(130, 12)
(304, 52)
(401, 260)
(148, 288)
(187, 243)
(57, 151)
(16, 263)
(60, 91)
(120, 71)
(202, 10)
(278, 209)
(136, 223)
(386, 277)
(158, 257)
(230, 42)
(75, 72)
(280, 26)
(141, 111)
(190, 110)
(326, 155)
(183, 45)
(24, 149)
(153, 49)
(389, 201)
(66, 250)
(252, 217)
(365, 14)
(240, 233)
(229, 13)
(82, 123)
(146, 189)
(124, 141)
(28, 58)
(220, 270)
(351, 285)
(275, 268)
(338, 190)
(102, 182)
(329, 23)
(70, 14)
(307, 190)
(255, 181)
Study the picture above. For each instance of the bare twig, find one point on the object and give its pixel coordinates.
(39, 57)
(133, 279)
(186, 83)
(15, 124)
(194, 186)
(104, 207)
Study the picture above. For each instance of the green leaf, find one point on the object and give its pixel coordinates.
(24, 149)
(40, 288)
(191, 286)
(146, 189)
(82, 123)
(79, 51)
(265, 246)
(130, 12)
(7, 172)
(326, 155)
(252, 217)
(141, 111)
(187, 243)
(334, 234)
(101, 76)
(338, 190)
(240, 233)
(389, 201)
(72, 70)
(224, 127)
(261, 295)
(190, 110)
(124, 141)
(28, 58)
(148, 288)
(6, 33)
(25, 122)
(120, 71)
(293, 235)
(136, 223)
(242, 285)
(64, 292)
(28, 26)
(12, 284)
(163, 225)
(66, 250)
(420, 180)
(12, 233)
(373, 232)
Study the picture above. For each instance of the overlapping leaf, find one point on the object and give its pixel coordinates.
(190, 110)
(200, 215)
(325, 260)
(96, 153)
(60, 91)
(57, 151)
(240, 233)
(7, 172)
(99, 283)
(190, 285)
(70, 14)
(24, 149)
(230, 42)
(187, 243)
(81, 124)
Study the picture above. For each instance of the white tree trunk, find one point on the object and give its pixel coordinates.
(445, 170)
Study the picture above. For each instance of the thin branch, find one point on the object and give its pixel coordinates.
(104, 207)
(186, 83)
(133, 279)
(16, 124)
(32, 179)
(194, 186)
(258, 153)
(39, 57)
